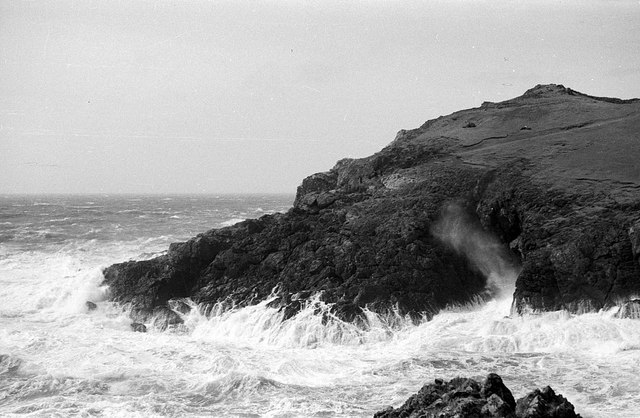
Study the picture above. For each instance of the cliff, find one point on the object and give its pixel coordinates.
(553, 176)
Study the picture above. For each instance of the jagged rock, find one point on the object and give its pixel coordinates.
(179, 305)
(91, 306)
(544, 404)
(287, 305)
(493, 385)
(361, 234)
(466, 398)
(138, 327)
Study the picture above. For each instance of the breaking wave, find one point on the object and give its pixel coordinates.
(58, 358)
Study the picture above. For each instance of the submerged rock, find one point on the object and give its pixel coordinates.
(138, 327)
(466, 398)
(561, 201)
(91, 306)
(161, 317)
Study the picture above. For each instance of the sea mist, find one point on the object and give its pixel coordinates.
(462, 231)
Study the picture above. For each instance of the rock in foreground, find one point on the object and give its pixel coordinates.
(466, 398)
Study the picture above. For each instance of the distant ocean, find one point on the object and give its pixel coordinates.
(59, 359)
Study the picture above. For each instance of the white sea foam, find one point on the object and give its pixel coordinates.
(248, 360)
(62, 359)
(232, 221)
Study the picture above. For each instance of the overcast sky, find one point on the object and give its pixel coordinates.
(211, 96)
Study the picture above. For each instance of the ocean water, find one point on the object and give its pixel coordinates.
(59, 359)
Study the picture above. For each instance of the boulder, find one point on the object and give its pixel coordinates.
(90, 306)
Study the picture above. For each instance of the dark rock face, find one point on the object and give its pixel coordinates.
(544, 403)
(562, 200)
(371, 249)
(574, 256)
(463, 397)
(493, 386)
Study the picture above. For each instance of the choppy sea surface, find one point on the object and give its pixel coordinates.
(57, 358)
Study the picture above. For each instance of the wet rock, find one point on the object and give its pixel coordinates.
(91, 306)
(629, 309)
(180, 305)
(138, 327)
(462, 397)
(140, 315)
(163, 318)
(291, 309)
(493, 385)
(346, 311)
(544, 403)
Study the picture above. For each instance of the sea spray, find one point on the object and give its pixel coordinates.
(459, 229)
(313, 326)
(63, 360)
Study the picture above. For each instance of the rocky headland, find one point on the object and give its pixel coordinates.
(544, 187)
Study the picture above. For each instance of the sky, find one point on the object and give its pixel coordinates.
(168, 96)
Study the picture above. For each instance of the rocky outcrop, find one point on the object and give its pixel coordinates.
(544, 403)
(562, 199)
(462, 397)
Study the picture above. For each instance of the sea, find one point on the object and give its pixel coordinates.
(60, 359)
